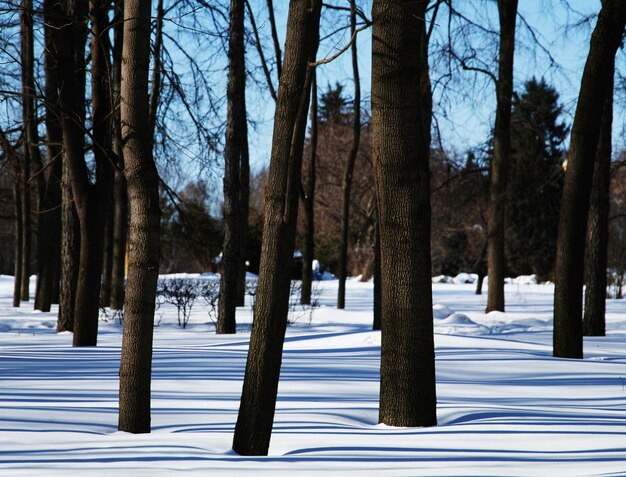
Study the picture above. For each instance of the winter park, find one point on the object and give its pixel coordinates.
(352, 237)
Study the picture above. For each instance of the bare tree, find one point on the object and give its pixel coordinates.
(605, 39)
(144, 237)
(401, 119)
(258, 400)
(354, 149)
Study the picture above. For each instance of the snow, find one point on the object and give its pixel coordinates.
(505, 405)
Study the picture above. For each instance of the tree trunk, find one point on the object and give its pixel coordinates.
(308, 199)
(377, 288)
(496, 262)
(244, 212)
(49, 233)
(144, 237)
(347, 179)
(31, 154)
(401, 112)
(594, 322)
(606, 37)
(70, 249)
(17, 198)
(233, 154)
(258, 400)
(120, 195)
(107, 256)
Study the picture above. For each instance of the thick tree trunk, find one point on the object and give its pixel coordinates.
(144, 237)
(496, 262)
(594, 323)
(233, 154)
(120, 195)
(258, 400)
(347, 178)
(606, 37)
(401, 111)
(308, 200)
(377, 325)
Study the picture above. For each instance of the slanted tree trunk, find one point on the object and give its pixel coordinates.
(120, 196)
(605, 39)
(308, 200)
(144, 232)
(594, 322)
(347, 178)
(401, 112)
(258, 399)
(496, 262)
(233, 154)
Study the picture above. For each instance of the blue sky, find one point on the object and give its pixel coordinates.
(466, 116)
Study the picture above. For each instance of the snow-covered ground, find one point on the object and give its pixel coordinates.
(505, 406)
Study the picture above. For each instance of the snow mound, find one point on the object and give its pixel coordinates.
(442, 279)
(465, 278)
(441, 311)
(460, 324)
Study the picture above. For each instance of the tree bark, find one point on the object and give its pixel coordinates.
(308, 199)
(107, 255)
(377, 325)
(244, 213)
(347, 179)
(258, 400)
(594, 322)
(233, 157)
(49, 248)
(17, 198)
(120, 195)
(496, 261)
(401, 114)
(144, 232)
(605, 39)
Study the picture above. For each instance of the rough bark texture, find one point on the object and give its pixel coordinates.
(70, 246)
(120, 195)
(605, 39)
(244, 213)
(594, 323)
(233, 153)
(401, 111)
(377, 325)
(258, 400)
(308, 199)
(496, 262)
(144, 232)
(347, 178)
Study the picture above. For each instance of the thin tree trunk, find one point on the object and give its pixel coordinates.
(308, 199)
(277, 53)
(347, 179)
(144, 237)
(479, 266)
(258, 399)
(120, 195)
(49, 233)
(107, 255)
(17, 198)
(496, 261)
(594, 322)
(70, 248)
(244, 212)
(401, 112)
(233, 154)
(605, 39)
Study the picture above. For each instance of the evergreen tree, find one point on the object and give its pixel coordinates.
(536, 179)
